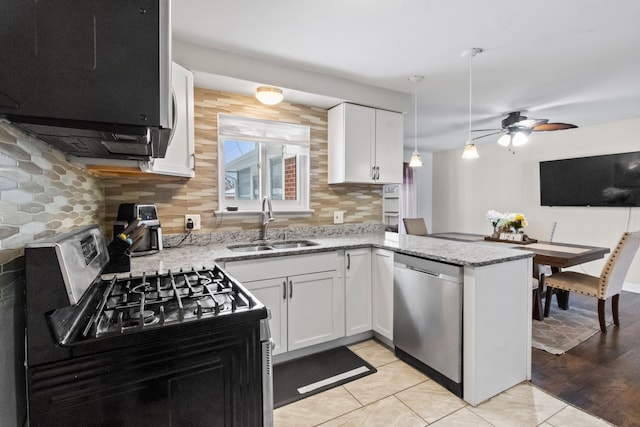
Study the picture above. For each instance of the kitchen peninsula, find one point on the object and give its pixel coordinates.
(496, 295)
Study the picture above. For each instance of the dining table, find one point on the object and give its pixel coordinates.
(554, 254)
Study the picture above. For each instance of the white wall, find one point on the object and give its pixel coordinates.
(463, 190)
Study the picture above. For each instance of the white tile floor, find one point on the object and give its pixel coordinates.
(398, 395)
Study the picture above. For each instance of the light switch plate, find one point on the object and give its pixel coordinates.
(338, 217)
(196, 221)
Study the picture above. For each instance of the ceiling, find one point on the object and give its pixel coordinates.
(573, 61)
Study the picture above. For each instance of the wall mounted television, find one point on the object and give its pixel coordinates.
(609, 180)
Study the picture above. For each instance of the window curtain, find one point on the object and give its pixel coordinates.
(408, 201)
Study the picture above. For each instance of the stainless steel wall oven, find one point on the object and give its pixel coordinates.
(181, 348)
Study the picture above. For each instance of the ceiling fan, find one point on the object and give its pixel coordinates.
(517, 128)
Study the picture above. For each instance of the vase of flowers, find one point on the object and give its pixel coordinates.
(509, 222)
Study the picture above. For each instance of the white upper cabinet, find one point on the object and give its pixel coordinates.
(180, 157)
(365, 145)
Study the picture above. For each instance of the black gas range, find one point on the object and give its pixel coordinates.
(189, 347)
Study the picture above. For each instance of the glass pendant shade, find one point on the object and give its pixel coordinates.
(470, 152)
(415, 161)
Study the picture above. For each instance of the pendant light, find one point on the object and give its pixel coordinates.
(415, 161)
(470, 151)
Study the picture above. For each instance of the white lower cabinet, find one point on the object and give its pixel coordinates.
(272, 293)
(357, 281)
(304, 294)
(382, 290)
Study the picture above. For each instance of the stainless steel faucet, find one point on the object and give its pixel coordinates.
(267, 217)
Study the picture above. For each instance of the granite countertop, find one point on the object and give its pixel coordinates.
(454, 252)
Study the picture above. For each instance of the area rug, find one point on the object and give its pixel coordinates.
(565, 329)
(303, 377)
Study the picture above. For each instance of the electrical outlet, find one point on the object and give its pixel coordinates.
(338, 217)
(194, 224)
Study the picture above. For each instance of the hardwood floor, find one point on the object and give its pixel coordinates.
(602, 374)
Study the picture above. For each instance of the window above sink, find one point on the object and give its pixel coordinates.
(259, 158)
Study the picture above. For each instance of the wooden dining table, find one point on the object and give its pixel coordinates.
(555, 254)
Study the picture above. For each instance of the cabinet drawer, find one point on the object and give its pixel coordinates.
(271, 267)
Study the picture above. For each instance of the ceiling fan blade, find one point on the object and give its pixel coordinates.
(553, 126)
(489, 134)
(486, 130)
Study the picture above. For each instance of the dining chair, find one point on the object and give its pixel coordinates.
(542, 231)
(415, 226)
(608, 284)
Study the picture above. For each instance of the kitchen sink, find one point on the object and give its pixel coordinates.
(269, 246)
(293, 244)
(250, 248)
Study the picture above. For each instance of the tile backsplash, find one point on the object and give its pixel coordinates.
(41, 194)
(176, 197)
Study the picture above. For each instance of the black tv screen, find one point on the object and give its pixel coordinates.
(610, 180)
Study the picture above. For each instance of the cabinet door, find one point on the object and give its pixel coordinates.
(389, 151)
(273, 294)
(382, 287)
(315, 310)
(180, 157)
(351, 143)
(357, 273)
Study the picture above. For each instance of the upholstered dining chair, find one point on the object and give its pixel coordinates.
(415, 226)
(543, 231)
(607, 285)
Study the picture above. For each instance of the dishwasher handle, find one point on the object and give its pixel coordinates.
(441, 276)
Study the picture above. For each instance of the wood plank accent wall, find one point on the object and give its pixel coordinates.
(176, 197)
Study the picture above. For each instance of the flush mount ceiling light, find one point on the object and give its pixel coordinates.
(415, 161)
(470, 151)
(269, 95)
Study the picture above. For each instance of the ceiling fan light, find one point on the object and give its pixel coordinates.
(470, 152)
(269, 95)
(505, 140)
(519, 138)
(415, 161)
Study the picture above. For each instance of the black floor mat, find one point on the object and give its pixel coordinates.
(290, 376)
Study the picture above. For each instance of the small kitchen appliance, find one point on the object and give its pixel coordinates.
(179, 348)
(146, 215)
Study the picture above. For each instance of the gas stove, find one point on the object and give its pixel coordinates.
(179, 335)
(135, 304)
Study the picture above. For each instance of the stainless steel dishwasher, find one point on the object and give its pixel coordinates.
(427, 318)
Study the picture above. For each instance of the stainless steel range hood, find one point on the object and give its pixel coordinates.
(91, 78)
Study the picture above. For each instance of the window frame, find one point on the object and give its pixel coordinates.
(303, 174)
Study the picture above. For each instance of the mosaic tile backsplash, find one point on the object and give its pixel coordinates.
(41, 194)
(176, 197)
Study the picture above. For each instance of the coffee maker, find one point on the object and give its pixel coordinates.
(148, 215)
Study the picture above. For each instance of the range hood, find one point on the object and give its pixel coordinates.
(92, 78)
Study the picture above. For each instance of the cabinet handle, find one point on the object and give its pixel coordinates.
(284, 289)
(348, 261)
(373, 172)
(377, 172)
(290, 289)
